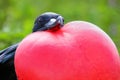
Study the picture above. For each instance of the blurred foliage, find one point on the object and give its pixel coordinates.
(17, 17)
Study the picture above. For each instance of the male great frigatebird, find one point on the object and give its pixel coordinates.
(45, 21)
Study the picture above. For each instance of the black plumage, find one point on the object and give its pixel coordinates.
(44, 22)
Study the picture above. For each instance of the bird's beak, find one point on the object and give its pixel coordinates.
(53, 22)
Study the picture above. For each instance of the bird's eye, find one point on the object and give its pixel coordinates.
(40, 20)
(43, 19)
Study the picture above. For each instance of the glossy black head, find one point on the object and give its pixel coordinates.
(47, 21)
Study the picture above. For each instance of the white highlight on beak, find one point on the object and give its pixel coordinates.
(52, 21)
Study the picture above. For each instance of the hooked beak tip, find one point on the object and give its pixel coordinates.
(60, 20)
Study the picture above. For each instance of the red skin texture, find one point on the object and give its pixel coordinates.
(78, 51)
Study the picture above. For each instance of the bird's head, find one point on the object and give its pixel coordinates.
(47, 21)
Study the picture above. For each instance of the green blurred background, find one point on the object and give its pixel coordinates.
(17, 16)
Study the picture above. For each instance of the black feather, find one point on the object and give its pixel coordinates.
(7, 71)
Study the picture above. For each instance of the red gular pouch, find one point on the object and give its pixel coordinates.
(78, 51)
